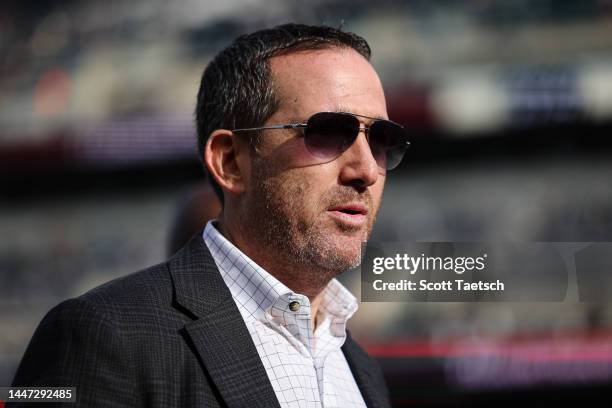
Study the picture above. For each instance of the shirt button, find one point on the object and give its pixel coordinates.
(294, 306)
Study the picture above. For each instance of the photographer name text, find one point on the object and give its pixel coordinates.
(459, 285)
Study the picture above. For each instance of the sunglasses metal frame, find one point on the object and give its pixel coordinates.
(304, 125)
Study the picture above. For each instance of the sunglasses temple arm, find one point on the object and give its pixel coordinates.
(289, 126)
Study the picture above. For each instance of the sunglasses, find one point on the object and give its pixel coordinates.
(329, 134)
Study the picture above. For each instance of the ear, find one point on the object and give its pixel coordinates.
(224, 159)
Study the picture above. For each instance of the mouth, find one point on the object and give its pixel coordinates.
(353, 215)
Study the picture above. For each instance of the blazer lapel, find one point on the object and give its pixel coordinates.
(360, 363)
(218, 332)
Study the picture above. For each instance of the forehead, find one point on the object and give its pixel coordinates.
(336, 79)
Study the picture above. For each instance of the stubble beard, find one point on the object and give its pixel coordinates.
(300, 247)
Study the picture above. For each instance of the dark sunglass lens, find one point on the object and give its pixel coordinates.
(329, 134)
(388, 143)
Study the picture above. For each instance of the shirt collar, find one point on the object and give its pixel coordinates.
(259, 295)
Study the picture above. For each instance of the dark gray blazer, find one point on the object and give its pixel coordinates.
(168, 336)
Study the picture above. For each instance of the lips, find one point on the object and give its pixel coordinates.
(351, 215)
(350, 209)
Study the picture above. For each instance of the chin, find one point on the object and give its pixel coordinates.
(343, 255)
(335, 249)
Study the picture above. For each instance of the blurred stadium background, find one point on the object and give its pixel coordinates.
(510, 105)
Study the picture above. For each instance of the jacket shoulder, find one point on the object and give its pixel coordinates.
(149, 287)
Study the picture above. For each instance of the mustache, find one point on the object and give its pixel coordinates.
(343, 194)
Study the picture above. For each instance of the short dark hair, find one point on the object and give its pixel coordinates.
(236, 89)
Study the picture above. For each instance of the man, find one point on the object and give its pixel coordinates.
(248, 313)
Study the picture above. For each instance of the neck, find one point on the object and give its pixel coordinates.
(297, 279)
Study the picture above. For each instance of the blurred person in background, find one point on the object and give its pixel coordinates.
(199, 205)
(293, 130)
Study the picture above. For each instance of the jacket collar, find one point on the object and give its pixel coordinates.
(220, 338)
(367, 374)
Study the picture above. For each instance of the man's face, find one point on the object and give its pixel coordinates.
(315, 215)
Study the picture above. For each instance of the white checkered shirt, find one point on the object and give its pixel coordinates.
(305, 368)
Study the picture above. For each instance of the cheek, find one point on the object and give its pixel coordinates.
(300, 193)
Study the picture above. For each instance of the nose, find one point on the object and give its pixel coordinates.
(359, 168)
